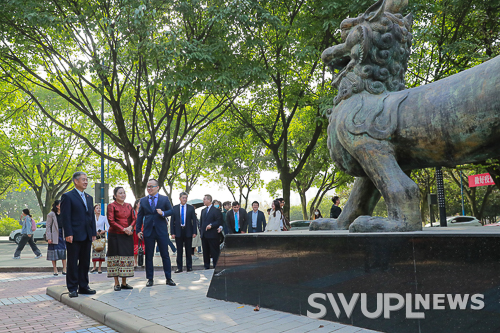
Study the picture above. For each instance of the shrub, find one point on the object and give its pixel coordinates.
(8, 224)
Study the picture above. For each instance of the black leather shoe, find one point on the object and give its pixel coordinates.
(149, 283)
(127, 286)
(87, 291)
(73, 294)
(170, 282)
(190, 269)
(118, 288)
(178, 271)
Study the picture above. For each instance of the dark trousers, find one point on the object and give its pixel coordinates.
(211, 248)
(78, 258)
(162, 242)
(186, 241)
(172, 247)
(26, 239)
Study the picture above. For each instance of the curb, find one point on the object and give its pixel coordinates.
(50, 269)
(118, 320)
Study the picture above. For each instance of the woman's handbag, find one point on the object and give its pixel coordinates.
(99, 244)
(140, 255)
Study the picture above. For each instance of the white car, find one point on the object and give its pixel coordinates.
(39, 233)
(458, 221)
(300, 225)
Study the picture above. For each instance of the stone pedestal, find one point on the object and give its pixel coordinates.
(438, 268)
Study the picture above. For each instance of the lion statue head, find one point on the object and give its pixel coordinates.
(375, 50)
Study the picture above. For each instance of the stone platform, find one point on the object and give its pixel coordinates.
(436, 280)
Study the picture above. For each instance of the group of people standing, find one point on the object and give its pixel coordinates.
(75, 225)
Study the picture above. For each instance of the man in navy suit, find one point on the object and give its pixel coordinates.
(152, 213)
(211, 219)
(78, 221)
(256, 219)
(236, 219)
(183, 229)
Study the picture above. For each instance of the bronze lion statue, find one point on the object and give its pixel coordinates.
(379, 131)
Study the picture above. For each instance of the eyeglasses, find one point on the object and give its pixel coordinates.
(152, 186)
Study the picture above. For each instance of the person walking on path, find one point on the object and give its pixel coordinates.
(236, 219)
(226, 207)
(78, 221)
(54, 234)
(335, 211)
(275, 223)
(256, 219)
(211, 219)
(183, 230)
(122, 221)
(153, 211)
(101, 226)
(27, 235)
(196, 244)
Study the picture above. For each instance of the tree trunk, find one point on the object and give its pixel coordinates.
(494, 172)
(286, 182)
(303, 203)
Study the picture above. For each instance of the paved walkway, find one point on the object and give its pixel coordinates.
(28, 263)
(25, 307)
(185, 308)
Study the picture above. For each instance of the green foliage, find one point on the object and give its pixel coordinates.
(237, 156)
(285, 109)
(8, 224)
(451, 36)
(18, 198)
(39, 152)
(7, 179)
(165, 70)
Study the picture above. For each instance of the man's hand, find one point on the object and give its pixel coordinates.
(194, 235)
(103, 232)
(208, 227)
(159, 211)
(30, 235)
(69, 239)
(49, 241)
(94, 238)
(173, 236)
(243, 232)
(139, 235)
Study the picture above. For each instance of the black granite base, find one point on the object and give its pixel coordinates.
(282, 272)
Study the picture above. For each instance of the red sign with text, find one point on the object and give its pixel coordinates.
(483, 179)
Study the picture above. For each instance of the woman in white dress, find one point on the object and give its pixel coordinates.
(275, 218)
(102, 226)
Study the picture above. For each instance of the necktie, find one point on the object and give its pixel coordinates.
(84, 200)
(182, 216)
(236, 225)
(152, 203)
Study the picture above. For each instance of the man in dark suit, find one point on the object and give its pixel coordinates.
(211, 219)
(183, 229)
(153, 212)
(78, 221)
(236, 219)
(256, 219)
